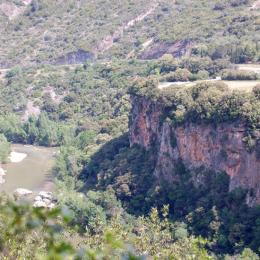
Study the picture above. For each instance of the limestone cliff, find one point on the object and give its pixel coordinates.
(220, 147)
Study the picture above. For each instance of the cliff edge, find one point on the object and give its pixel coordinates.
(220, 147)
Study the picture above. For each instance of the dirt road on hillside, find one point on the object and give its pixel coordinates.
(108, 41)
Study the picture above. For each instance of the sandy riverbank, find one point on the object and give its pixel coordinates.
(17, 157)
(2, 174)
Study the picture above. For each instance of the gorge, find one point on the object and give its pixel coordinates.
(218, 147)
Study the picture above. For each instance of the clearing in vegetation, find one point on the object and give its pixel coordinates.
(249, 67)
(246, 85)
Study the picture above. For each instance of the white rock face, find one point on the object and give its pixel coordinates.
(2, 174)
(44, 200)
(19, 193)
(40, 204)
(2, 180)
(51, 206)
(38, 198)
(46, 195)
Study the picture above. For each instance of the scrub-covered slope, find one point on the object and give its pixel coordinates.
(41, 31)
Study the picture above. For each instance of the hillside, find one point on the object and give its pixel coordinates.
(151, 112)
(74, 31)
(47, 30)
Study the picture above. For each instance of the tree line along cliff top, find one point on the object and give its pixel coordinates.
(208, 102)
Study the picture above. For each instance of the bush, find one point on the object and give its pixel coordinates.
(179, 75)
(5, 149)
(256, 91)
(239, 75)
(220, 6)
(86, 214)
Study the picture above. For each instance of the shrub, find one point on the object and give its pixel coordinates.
(239, 75)
(5, 149)
(220, 6)
(179, 75)
(256, 91)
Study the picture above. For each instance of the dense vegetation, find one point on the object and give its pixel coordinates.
(208, 102)
(42, 39)
(207, 208)
(87, 117)
(37, 234)
(110, 205)
(4, 149)
(217, 29)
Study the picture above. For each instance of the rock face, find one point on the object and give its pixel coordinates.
(219, 148)
(21, 193)
(176, 49)
(76, 57)
(12, 10)
(44, 200)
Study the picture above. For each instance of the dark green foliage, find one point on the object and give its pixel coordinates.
(41, 131)
(92, 98)
(256, 91)
(11, 127)
(85, 138)
(173, 140)
(204, 103)
(30, 233)
(5, 149)
(128, 170)
(179, 75)
(239, 75)
(202, 197)
(86, 215)
(83, 109)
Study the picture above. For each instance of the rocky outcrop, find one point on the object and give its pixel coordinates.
(2, 175)
(256, 5)
(22, 193)
(44, 200)
(31, 110)
(158, 49)
(220, 148)
(75, 57)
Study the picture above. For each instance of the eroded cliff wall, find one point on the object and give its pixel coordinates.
(220, 147)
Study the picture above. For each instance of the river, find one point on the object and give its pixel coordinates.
(33, 173)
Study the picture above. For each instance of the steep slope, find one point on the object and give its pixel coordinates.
(204, 140)
(219, 148)
(47, 31)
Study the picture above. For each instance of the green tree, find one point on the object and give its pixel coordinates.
(5, 149)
